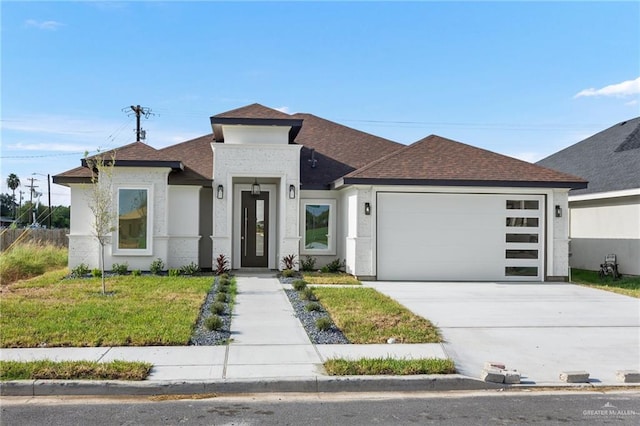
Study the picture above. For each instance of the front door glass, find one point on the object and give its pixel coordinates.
(255, 230)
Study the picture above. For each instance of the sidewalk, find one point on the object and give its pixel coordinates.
(269, 346)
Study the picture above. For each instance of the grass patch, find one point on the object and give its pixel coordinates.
(389, 366)
(138, 311)
(329, 278)
(74, 370)
(627, 285)
(367, 316)
(28, 260)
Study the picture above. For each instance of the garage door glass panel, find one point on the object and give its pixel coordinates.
(525, 222)
(523, 204)
(521, 271)
(522, 238)
(522, 254)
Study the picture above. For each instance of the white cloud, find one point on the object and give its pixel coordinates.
(43, 25)
(284, 109)
(626, 88)
(632, 103)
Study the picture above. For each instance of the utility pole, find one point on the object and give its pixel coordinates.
(32, 190)
(139, 112)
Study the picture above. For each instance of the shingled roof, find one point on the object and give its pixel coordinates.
(609, 160)
(435, 160)
(333, 154)
(136, 154)
(332, 150)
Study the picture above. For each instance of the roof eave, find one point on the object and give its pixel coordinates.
(174, 165)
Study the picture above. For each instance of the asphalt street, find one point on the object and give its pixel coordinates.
(451, 408)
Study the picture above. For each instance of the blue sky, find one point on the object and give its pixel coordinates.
(522, 79)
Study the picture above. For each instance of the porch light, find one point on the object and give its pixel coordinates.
(367, 209)
(292, 191)
(255, 188)
(558, 211)
(220, 192)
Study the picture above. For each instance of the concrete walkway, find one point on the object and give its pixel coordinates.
(267, 338)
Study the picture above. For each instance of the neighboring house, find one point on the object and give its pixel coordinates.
(605, 217)
(266, 184)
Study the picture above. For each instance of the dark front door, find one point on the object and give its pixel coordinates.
(255, 230)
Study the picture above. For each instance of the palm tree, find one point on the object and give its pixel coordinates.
(13, 182)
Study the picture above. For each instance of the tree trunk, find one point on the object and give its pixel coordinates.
(104, 288)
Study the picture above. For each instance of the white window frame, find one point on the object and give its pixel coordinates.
(331, 240)
(134, 252)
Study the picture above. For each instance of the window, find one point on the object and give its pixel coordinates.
(521, 271)
(133, 220)
(521, 254)
(318, 224)
(522, 238)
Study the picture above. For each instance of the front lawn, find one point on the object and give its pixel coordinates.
(367, 316)
(628, 285)
(137, 311)
(73, 370)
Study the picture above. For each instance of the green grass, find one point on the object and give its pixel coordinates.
(627, 285)
(29, 260)
(389, 366)
(73, 370)
(330, 278)
(367, 316)
(138, 311)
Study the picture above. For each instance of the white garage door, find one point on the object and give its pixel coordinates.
(466, 237)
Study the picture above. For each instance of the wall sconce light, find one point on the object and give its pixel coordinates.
(220, 192)
(255, 188)
(367, 209)
(292, 191)
(558, 211)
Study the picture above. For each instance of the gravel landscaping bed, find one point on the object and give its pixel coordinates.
(308, 319)
(203, 336)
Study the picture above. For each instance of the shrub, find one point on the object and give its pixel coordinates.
(213, 323)
(96, 273)
(335, 266)
(136, 272)
(308, 263)
(120, 268)
(174, 272)
(217, 308)
(223, 289)
(313, 306)
(222, 264)
(323, 324)
(224, 281)
(299, 285)
(289, 262)
(221, 297)
(190, 269)
(157, 266)
(287, 273)
(307, 294)
(80, 271)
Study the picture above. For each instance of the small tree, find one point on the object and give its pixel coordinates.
(100, 200)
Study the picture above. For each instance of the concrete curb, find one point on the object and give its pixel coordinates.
(318, 384)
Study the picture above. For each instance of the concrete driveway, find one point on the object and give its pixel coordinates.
(539, 329)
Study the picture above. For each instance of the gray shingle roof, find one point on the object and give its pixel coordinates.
(609, 160)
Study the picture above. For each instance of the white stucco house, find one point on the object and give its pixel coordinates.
(605, 217)
(265, 184)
